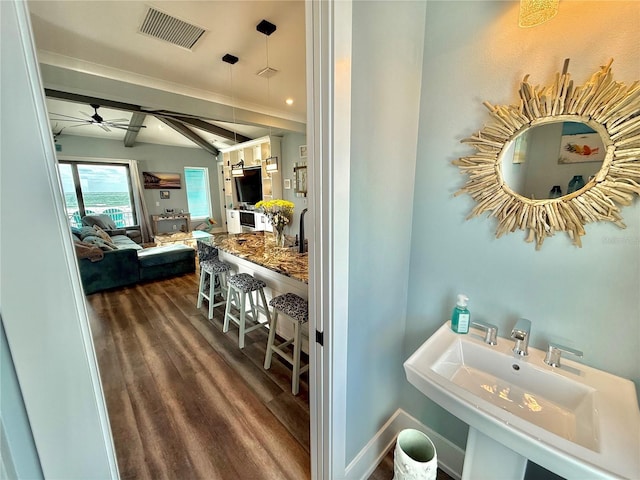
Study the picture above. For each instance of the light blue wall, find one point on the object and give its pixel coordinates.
(386, 75)
(583, 297)
(154, 158)
(290, 155)
(18, 452)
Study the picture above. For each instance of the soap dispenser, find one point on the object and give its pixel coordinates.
(461, 317)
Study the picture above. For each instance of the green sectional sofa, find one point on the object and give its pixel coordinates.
(125, 262)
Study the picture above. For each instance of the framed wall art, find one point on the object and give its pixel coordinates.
(163, 181)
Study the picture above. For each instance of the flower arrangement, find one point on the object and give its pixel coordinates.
(279, 213)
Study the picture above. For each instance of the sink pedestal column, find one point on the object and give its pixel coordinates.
(485, 458)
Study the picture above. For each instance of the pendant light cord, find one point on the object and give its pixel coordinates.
(233, 105)
(266, 37)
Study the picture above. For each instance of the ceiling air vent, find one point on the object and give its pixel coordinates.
(170, 29)
(267, 72)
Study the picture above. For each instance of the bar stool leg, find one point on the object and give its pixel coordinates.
(201, 289)
(212, 293)
(242, 317)
(254, 311)
(227, 310)
(266, 306)
(272, 338)
(297, 344)
(223, 285)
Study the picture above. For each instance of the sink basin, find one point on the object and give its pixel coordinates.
(576, 421)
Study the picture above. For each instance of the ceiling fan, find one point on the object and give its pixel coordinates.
(96, 119)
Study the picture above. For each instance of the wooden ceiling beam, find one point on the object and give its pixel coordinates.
(137, 119)
(185, 131)
(206, 126)
(160, 114)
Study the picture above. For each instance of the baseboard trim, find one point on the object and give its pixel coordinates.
(450, 456)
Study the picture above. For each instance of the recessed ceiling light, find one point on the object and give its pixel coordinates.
(289, 101)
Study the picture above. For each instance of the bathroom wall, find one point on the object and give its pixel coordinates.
(154, 158)
(582, 297)
(385, 87)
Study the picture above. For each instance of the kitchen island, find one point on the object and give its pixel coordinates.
(259, 248)
(282, 269)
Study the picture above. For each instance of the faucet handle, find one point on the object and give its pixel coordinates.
(554, 353)
(491, 331)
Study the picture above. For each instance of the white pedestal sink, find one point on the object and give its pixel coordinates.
(576, 421)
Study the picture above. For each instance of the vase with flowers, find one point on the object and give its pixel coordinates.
(279, 213)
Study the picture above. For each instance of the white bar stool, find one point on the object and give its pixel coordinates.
(239, 286)
(296, 309)
(214, 269)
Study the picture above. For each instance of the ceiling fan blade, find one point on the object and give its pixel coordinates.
(117, 120)
(67, 116)
(123, 125)
(81, 124)
(104, 127)
(88, 115)
(127, 128)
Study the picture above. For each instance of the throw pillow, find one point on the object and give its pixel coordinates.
(102, 234)
(86, 232)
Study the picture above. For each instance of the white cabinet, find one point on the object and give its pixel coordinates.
(233, 221)
(253, 153)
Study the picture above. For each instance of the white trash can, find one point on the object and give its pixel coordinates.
(414, 457)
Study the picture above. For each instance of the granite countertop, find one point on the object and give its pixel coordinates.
(259, 248)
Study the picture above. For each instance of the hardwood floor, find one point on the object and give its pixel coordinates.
(184, 401)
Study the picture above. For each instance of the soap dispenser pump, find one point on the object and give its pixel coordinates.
(461, 317)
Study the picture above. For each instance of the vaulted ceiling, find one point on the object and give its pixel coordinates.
(93, 51)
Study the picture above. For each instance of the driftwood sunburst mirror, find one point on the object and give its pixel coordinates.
(565, 156)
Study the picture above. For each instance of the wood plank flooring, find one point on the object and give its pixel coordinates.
(185, 402)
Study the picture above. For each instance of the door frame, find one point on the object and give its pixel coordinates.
(328, 27)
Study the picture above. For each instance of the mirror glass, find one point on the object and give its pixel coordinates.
(300, 169)
(551, 160)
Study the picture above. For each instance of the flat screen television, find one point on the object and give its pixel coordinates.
(249, 187)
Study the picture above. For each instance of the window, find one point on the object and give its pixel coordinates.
(97, 188)
(196, 180)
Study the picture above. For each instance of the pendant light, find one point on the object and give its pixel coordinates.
(267, 28)
(536, 12)
(237, 169)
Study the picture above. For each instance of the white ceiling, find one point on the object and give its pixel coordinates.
(97, 36)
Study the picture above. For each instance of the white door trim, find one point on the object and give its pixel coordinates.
(49, 336)
(329, 143)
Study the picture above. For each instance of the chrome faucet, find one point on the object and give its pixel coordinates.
(520, 333)
(555, 351)
(491, 331)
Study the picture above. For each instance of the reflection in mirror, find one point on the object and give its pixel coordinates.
(608, 107)
(552, 160)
